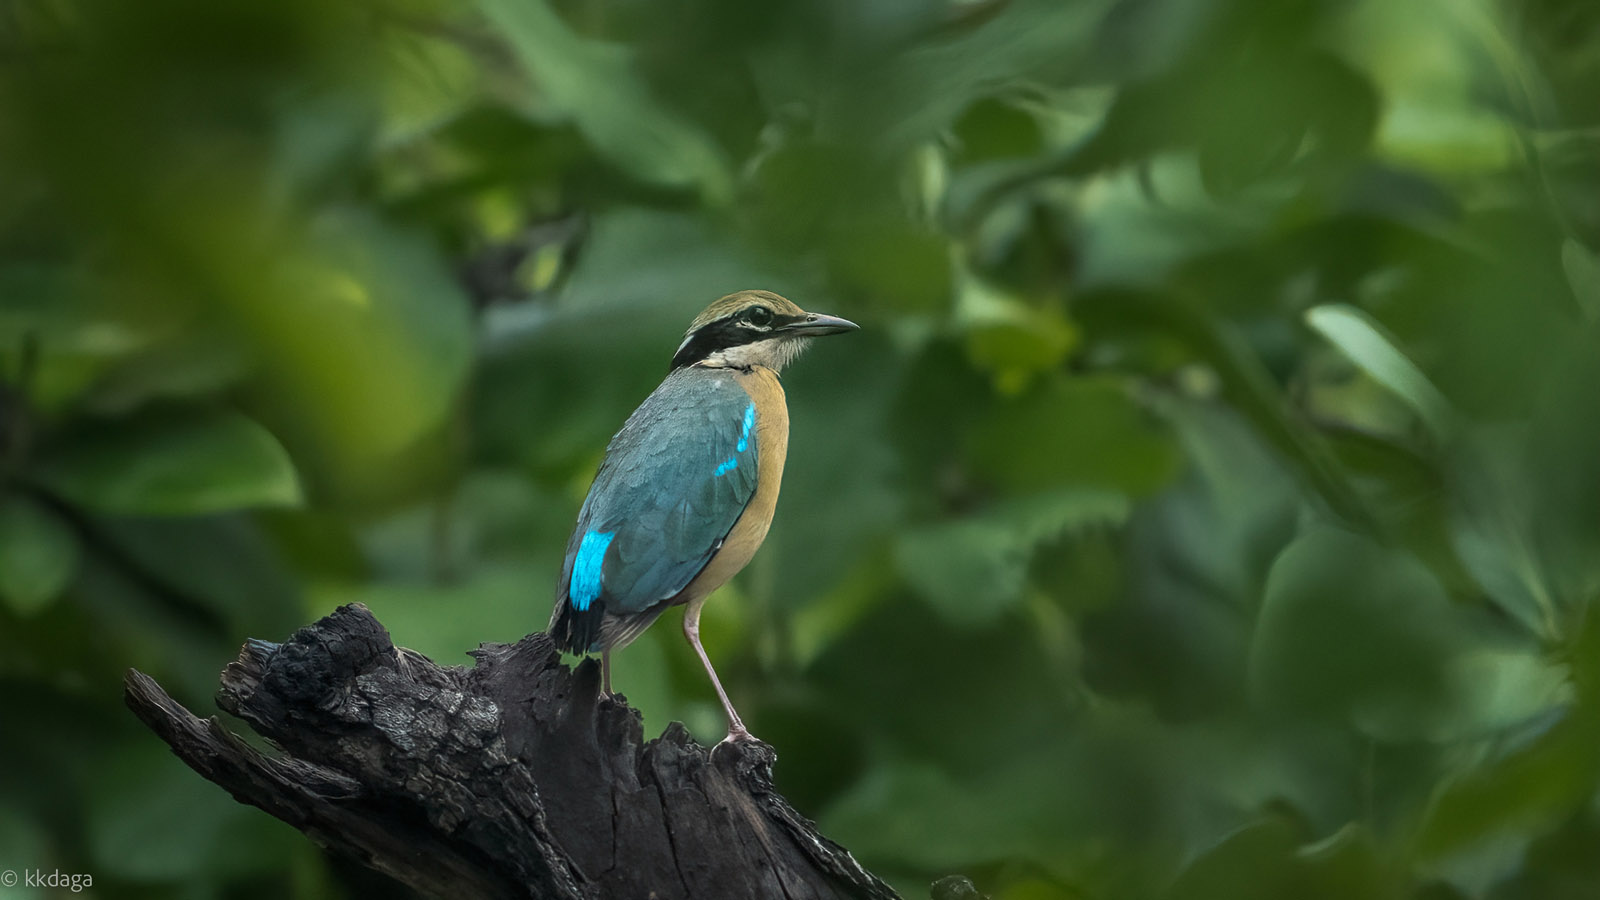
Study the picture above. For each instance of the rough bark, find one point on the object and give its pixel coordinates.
(511, 778)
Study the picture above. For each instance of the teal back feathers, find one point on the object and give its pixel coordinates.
(674, 481)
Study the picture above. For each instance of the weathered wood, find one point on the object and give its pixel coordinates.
(512, 778)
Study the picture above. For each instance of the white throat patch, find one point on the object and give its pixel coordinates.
(774, 353)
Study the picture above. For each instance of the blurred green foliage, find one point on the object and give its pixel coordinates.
(1209, 508)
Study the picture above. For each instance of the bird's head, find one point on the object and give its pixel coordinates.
(753, 328)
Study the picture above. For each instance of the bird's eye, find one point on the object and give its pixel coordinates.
(758, 315)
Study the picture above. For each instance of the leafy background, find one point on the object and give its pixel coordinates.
(1208, 508)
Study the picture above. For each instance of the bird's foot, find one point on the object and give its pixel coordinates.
(736, 735)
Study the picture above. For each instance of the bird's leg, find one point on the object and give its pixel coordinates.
(605, 672)
(691, 630)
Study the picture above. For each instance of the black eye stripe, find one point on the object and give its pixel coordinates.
(732, 330)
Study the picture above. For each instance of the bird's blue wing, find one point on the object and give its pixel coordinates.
(674, 481)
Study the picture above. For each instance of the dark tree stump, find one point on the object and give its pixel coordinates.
(512, 778)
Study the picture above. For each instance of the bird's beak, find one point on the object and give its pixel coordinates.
(815, 324)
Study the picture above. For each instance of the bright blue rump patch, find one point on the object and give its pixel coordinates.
(586, 569)
(732, 462)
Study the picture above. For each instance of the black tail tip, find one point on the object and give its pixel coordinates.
(577, 631)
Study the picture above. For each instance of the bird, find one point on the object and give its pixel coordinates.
(686, 490)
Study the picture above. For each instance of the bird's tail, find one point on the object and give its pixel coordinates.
(575, 630)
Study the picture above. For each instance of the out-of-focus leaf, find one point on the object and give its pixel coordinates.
(152, 820)
(1583, 273)
(1023, 810)
(1499, 560)
(1195, 559)
(1351, 406)
(1492, 527)
(434, 80)
(223, 563)
(993, 128)
(1361, 339)
(953, 824)
(1254, 862)
(501, 603)
(56, 306)
(1247, 118)
(137, 624)
(365, 339)
(488, 517)
(1479, 824)
(597, 85)
(1141, 223)
(900, 266)
(974, 569)
(1559, 453)
(927, 84)
(1268, 861)
(927, 678)
(834, 392)
(1502, 687)
(1075, 432)
(38, 555)
(668, 265)
(178, 466)
(199, 362)
(1426, 61)
(1355, 632)
(1014, 352)
(1006, 337)
(1451, 139)
(26, 842)
(78, 327)
(823, 620)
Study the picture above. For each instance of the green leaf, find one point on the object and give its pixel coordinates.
(1366, 634)
(1480, 822)
(1266, 861)
(444, 622)
(225, 563)
(1075, 432)
(431, 81)
(1492, 528)
(901, 266)
(26, 844)
(79, 325)
(1355, 632)
(175, 467)
(152, 819)
(365, 339)
(196, 363)
(1007, 337)
(1363, 341)
(973, 569)
(597, 85)
(1254, 862)
(1583, 273)
(1046, 804)
(38, 555)
(1504, 687)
